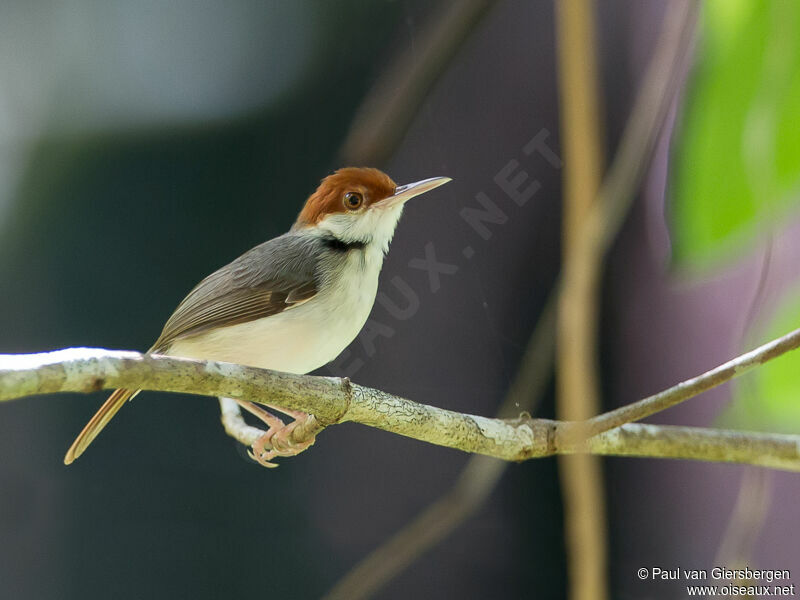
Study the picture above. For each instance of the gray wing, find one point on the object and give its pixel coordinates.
(271, 278)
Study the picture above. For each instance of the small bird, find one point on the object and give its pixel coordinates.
(292, 303)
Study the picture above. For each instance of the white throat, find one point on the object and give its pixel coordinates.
(373, 227)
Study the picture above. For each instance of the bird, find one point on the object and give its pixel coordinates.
(292, 303)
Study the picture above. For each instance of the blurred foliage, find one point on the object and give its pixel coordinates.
(767, 399)
(737, 161)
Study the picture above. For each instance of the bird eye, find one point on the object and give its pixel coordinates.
(353, 200)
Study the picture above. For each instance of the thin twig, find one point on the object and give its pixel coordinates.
(658, 92)
(747, 519)
(686, 389)
(384, 117)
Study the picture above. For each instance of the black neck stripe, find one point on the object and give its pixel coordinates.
(340, 246)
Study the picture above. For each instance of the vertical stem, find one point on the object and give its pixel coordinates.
(578, 396)
(579, 107)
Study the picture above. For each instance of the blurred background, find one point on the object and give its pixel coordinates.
(145, 144)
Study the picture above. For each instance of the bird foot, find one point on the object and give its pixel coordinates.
(289, 440)
(280, 439)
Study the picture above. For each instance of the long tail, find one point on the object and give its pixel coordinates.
(99, 420)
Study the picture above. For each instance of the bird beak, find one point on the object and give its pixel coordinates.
(404, 193)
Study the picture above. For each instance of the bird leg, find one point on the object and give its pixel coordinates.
(281, 439)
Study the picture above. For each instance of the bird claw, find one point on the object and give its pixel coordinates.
(263, 461)
(281, 440)
(289, 440)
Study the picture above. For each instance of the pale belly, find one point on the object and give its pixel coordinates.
(297, 340)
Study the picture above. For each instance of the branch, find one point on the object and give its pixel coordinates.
(698, 443)
(335, 400)
(330, 399)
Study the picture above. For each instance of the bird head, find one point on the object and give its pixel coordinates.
(360, 205)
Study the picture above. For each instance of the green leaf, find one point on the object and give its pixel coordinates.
(768, 399)
(737, 156)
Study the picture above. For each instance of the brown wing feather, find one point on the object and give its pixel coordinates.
(240, 292)
(237, 306)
